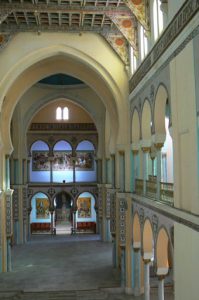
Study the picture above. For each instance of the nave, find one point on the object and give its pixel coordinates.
(64, 267)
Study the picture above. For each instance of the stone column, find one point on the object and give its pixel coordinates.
(51, 221)
(137, 256)
(145, 167)
(161, 287)
(9, 226)
(99, 170)
(147, 279)
(135, 153)
(51, 159)
(28, 170)
(28, 221)
(128, 244)
(158, 172)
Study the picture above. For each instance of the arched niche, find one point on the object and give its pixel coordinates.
(146, 121)
(62, 163)
(160, 110)
(39, 163)
(162, 252)
(136, 231)
(85, 165)
(135, 127)
(148, 241)
(45, 61)
(86, 208)
(40, 204)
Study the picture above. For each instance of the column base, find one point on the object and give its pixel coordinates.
(129, 291)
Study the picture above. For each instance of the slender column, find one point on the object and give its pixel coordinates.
(51, 159)
(97, 219)
(74, 227)
(158, 147)
(51, 221)
(29, 231)
(164, 9)
(123, 267)
(114, 259)
(145, 167)
(74, 174)
(137, 255)
(7, 171)
(160, 287)
(147, 279)
(28, 170)
(99, 170)
(135, 153)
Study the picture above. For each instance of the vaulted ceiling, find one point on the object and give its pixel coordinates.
(116, 20)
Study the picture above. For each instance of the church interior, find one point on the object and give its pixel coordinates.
(99, 149)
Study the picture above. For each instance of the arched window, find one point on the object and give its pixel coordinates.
(133, 61)
(62, 113)
(65, 113)
(157, 18)
(58, 113)
(143, 43)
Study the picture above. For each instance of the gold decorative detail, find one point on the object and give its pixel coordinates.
(146, 149)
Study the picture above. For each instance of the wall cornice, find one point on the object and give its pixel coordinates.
(180, 20)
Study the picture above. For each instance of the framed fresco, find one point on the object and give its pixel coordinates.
(62, 161)
(84, 161)
(84, 207)
(40, 161)
(42, 208)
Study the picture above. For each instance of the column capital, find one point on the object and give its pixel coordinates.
(161, 277)
(146, 149)
(158, 146)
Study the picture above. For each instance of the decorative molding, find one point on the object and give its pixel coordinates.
(100, 200)
(9, 213)
(167, 214)
(62, 126)
(113, 213)
(16, 204)
(108, 204)
(183, 17)
(122, 222)
(25, 190)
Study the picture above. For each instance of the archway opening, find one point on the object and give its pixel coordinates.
(63, 217)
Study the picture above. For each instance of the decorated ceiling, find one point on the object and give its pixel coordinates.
(116, 20)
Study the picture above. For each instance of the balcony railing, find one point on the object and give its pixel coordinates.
(166, 190)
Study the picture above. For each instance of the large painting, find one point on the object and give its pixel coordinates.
(84, 161)
(62, 161)
(40, 161)
(84, 207)
(42, 208)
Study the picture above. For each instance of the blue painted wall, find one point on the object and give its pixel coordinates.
(60, 176)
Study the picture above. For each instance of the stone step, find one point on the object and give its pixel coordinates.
(55, 295)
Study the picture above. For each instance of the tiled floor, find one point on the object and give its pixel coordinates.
(64, 264)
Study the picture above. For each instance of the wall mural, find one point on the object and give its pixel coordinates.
(40, 161)
(63, 161)
(42, 208)
(84, 161)
(84, 207)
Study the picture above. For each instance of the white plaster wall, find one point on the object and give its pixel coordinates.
(173, 7)
(186, 263)
(183, 104)
(168, 149)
